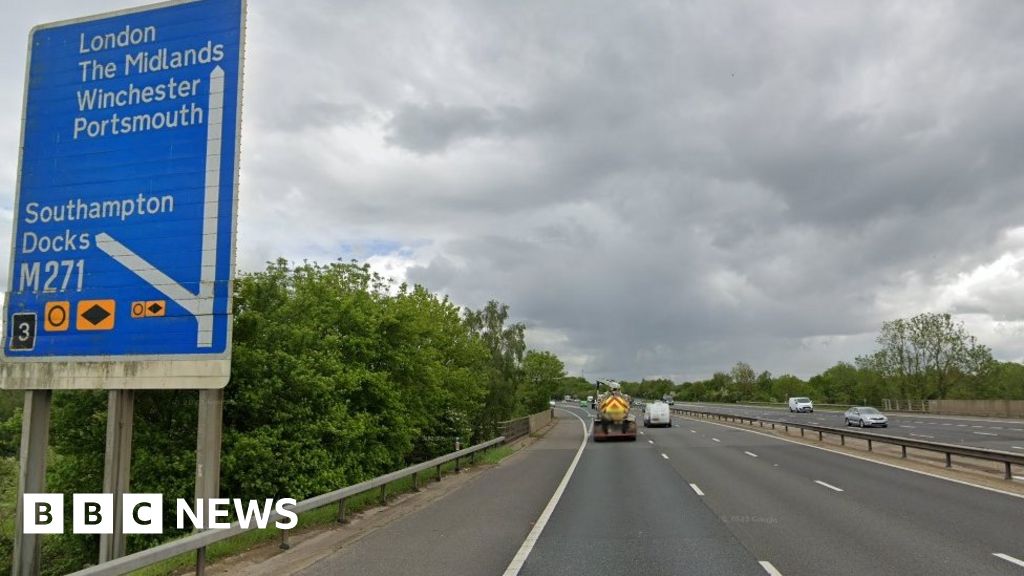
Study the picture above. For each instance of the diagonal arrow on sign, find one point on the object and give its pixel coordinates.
(199, 305)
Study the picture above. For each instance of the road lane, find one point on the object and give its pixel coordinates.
(626, 511)
(994, 434)
(785, 508)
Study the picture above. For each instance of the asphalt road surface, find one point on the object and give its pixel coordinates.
(990, 433)
(698, 498)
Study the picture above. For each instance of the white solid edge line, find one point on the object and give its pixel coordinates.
(921, 472)
(769, 568)
(829, 486)
(531, 539)
(1008, 558)
(696, 489)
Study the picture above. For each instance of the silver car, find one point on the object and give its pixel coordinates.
(865, 416)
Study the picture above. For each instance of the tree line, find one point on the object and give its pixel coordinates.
(928, 356)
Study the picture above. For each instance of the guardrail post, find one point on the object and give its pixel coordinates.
(842, 440)
(1009, 473)
(773, 425)
(341, 512)
(457, 448)
(438, 472)
(787, 428)
(801, 432)
(869, 445)
(383, 494)
(285, 544)
(904, 452)
(949, 460)
(819, 436)
(415, 481)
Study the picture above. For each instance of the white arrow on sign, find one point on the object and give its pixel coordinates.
(199, 305)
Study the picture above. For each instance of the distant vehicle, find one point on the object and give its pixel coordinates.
(865, 416)
(552, 402)
(801, 404)
(668, 399)
(583, 403)
(592, 401)
(657, 414)
(568, 397)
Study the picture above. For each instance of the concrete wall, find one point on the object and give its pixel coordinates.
(540, 420)
(999, 408)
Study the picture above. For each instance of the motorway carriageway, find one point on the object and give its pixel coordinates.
(697, 499)
(988, 433)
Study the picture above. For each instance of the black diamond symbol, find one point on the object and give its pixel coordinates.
(95, 314)
(155, 307)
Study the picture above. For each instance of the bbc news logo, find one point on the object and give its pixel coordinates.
(144, 513)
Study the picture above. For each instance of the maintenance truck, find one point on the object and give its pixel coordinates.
(613, 420)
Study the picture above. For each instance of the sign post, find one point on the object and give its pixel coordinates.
(123, 245)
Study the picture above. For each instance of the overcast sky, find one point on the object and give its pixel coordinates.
(655, 188)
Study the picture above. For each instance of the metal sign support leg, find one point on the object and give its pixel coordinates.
(35, 435)
(117, 465)
(208, 441)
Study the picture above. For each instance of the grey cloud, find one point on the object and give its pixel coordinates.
(433, 128)
(672, 187)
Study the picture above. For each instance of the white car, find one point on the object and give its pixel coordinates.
(801, 404)
(657, 414)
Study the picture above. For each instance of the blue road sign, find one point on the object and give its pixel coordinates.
(124, 223)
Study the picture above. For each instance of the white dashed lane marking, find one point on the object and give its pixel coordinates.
(829, 486)
(1009, 558)
(771, 570)
(751, 454)
(696, 489)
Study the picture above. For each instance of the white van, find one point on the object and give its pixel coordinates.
(801, 404)
(657, 414)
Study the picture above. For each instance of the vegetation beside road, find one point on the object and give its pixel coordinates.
(928, 356)
(338, 376)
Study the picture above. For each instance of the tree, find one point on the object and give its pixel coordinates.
(837, 385)
(787, 386)
(928, 354)
(743, 381)
(542, 375)
(506, 344)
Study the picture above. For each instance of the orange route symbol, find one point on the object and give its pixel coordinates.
(57, 316)
(149, 308)
(95, 315)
